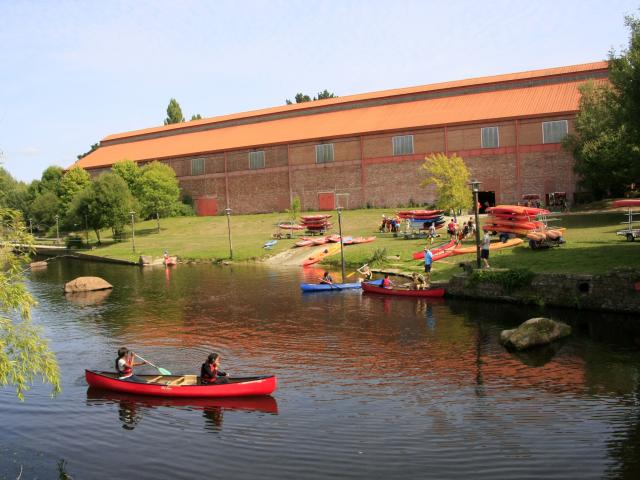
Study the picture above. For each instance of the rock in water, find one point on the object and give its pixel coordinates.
(86, 284)
(534, 332)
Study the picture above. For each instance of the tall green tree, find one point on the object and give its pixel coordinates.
(74, 181)
(24, 354)
(50, 180)
(197, 116)
(130, 172)
(450, 177)
(110, 202)
(43, 210)
(159, 191)
(174, 113)
(13, 194)
(606, 142)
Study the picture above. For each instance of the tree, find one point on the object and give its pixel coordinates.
(44, 209)
(450, 177)
(302, 98)
(13, 194)
(606, 142)
(110, 202)
(159, 190)
(74, 181)
(24, 354)
(93, 147)
(197, 116)
(130, 172)
(296, 206)
(50, 180)
(174, 113)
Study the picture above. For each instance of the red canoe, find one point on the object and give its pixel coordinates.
(182, 385)
(629, 202)
(432, 292)
(446, 246)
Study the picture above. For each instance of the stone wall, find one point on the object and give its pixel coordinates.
(618, 291)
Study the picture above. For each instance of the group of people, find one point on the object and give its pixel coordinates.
(210, 373)
(460, 232)
(389, 224)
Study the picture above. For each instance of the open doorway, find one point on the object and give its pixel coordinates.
(486, 199)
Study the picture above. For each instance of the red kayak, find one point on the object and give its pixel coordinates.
(517, 210)
(629, 203)
(357, 240)
(446, 246)
(182, 385)
(432, 292)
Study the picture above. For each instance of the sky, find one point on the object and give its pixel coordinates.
(73, 72)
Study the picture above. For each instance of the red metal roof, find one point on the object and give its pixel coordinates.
(554, 97)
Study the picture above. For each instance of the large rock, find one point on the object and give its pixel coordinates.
(86, 284)
(534, 332)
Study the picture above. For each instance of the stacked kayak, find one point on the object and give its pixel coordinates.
(423, 219)
(315, 223)
(521, 221)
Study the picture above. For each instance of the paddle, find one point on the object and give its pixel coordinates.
(163, 371)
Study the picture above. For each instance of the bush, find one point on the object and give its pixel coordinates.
(184, 210)
(509, 280)
(74, 242)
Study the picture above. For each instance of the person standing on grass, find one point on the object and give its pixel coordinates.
(428, 261)
(484, 252)
(432, 232)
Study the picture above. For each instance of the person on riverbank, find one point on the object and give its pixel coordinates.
(428, 262)
(327, 279)
(484, 252)
(432, 232)
(125, 363)
(210, 373)
(419, 282)
(366, 272)
(451, 229)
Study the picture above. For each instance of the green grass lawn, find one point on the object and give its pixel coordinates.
(592, 246)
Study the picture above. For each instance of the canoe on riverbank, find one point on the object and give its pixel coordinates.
(494, 246)
(182, 385)
(432, 292)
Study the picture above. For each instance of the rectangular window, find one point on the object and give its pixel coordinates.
(324, 153)
(256, 159)
(490, 137)
(554, 132)
(197, 166)
(403, 145)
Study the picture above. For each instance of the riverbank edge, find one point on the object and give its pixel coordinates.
(616, 291)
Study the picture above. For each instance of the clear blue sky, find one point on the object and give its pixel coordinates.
(73, 72)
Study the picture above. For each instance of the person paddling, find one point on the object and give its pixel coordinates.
(386, 282)
(366, 271)
(125, 363)
(210, 373)
(326, 279)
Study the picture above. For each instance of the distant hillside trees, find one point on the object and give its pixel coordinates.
(606, 142)
(302, 98)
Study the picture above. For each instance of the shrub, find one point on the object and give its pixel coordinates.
(509, 280)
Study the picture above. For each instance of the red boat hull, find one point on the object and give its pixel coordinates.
(239, 388)
(432, 292)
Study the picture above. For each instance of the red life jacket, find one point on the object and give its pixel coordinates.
(127, 371)
(386, 283)
(204, 375)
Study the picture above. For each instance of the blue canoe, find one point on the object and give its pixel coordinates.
(323, 287)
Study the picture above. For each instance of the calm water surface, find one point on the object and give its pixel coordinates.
(369, 387)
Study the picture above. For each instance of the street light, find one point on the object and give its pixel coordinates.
(133, 231)
(57, 230)
(339, 209)
(227, 211)
(475, 186)
(86, 229)
(30, 227)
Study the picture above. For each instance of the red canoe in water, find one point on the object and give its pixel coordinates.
(432, 292)
(182, 385)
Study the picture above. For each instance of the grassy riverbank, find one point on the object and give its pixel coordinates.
(592, 246)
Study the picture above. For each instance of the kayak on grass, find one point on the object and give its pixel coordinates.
(431, 292)
(182, 385)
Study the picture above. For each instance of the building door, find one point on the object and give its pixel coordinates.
(326, 201)
(206, 206)
(486, 199)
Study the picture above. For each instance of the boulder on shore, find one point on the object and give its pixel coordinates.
(534, 332)
(86, 284)
(42, 264)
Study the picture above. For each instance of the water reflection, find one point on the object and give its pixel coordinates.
(83, 299)
(132, 408)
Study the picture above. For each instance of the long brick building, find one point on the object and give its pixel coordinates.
(366, 149)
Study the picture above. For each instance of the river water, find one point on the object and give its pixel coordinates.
(369, 387)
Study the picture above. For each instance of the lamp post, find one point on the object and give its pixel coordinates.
(86, 229)
(133, 230)
(475, 186)
(339, 209)
(227, 211)
(30, 227)
(57, 229)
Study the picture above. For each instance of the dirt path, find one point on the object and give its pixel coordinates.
(293, 256)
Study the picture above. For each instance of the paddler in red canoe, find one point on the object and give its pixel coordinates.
(125, 363)
(210, 373)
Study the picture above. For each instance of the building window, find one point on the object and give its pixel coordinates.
(256, 159)
(324, 153)
(490, 137)
(403, 145)
(197, 166)
(554, 132)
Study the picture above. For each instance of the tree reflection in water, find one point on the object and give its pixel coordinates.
(132, 408)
